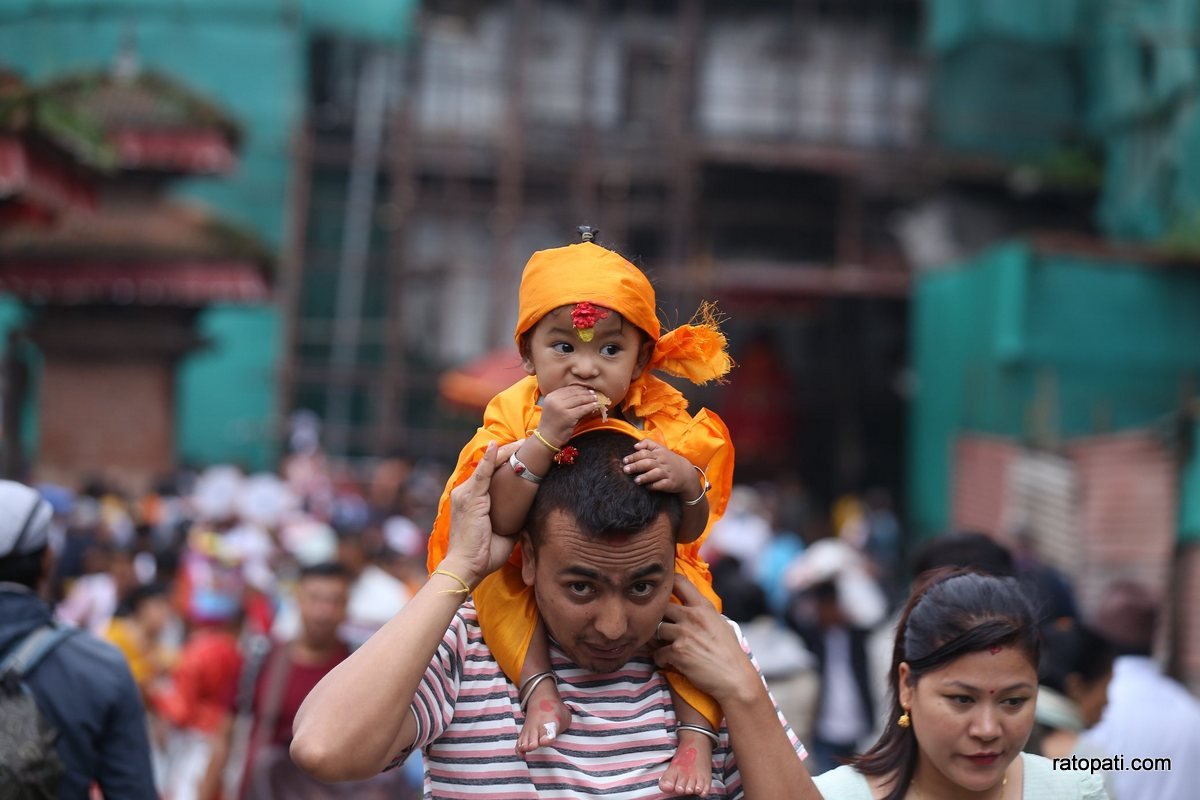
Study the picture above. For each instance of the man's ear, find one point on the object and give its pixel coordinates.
(904, 673)
(644, 352)
(49, 560)
(528, 559)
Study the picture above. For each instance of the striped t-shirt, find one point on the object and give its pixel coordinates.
(618, 744)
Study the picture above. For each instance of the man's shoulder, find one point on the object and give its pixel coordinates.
(463, 633)
(1138, 684)
(86, 675)
(95, 658)
(466, 615)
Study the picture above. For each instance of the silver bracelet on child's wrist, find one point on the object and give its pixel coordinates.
(705, 487)
(522, 471)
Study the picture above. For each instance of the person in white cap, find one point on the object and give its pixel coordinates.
(81, 685)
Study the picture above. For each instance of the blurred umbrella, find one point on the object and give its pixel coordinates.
(475, 383)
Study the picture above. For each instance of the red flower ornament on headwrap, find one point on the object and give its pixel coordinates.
(584, 317)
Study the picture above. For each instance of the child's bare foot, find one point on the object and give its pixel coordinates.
(690, 771)
(546, 716)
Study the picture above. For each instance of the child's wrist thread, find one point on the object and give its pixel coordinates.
(466, 587)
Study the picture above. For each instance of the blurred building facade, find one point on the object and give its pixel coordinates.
(115, 287)
(250, 58)
(753, 154)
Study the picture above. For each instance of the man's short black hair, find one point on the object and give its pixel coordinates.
(327, 569)
(966, 549)
(597, 494)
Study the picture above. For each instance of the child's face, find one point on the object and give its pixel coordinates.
(608, 363)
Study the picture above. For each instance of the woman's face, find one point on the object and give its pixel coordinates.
(971, 718)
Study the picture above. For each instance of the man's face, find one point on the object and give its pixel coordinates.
(601, 598)
(321, 600)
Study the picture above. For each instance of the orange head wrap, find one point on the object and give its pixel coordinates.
(587, 272)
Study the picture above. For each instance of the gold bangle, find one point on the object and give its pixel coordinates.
(465, 588)
(538, 435)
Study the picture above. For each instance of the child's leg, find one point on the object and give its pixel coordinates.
(690, 771)
(546, 715)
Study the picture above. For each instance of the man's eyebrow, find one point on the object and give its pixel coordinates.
(596, 575)
(968, 687)
(648, 570)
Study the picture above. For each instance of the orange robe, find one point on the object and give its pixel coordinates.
(506, 606)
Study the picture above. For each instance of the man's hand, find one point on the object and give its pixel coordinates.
(474, 551)
(660, 468)
(700, 643)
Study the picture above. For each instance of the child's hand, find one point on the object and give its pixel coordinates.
(663, 470)
(563, 409)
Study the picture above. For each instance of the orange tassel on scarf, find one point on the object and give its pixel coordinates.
(696, 351)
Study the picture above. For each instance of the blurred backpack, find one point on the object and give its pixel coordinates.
(30, 768)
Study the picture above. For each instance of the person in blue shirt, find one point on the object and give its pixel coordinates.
(83, 686)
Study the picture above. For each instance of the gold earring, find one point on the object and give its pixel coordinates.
(905, 720)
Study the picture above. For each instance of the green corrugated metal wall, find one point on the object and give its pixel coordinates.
(1045, 348)
(1039, 83)
(249, 56)
(1006, 81)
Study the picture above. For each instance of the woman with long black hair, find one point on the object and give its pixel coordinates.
(963, 691)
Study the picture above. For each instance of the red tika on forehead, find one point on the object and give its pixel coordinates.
(994, 650)
(584, 317)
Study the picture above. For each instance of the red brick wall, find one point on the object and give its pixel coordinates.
(105, 418)
(981, 467)
(1128, 512)
(1114, 516)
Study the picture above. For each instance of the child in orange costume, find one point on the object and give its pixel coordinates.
(589, 338)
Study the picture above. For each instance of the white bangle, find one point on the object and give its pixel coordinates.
(703, 492)
(518, 466)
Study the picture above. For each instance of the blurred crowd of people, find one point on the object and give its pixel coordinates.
(231, 595)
